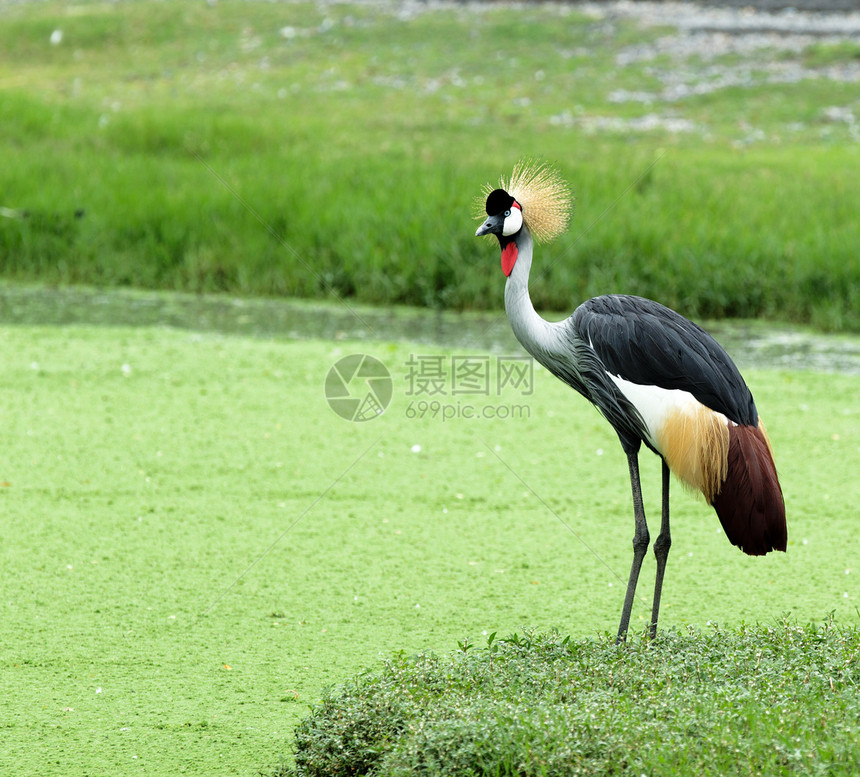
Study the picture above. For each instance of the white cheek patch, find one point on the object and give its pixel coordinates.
(513, 223)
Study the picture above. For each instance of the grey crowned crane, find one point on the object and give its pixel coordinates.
(657, 378)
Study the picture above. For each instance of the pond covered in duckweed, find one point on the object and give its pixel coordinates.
(750, 343)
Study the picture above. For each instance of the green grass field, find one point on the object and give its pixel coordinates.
(335, 150)
(195, 544)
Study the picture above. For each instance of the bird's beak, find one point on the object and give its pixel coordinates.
(491, 226)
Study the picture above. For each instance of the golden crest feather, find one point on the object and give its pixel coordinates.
(544, 195)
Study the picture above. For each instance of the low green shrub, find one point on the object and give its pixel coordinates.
(754, 700)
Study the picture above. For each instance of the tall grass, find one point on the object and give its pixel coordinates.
(295, 149)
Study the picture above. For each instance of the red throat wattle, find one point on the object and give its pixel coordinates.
(509, 257)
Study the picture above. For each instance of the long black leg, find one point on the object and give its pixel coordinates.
(640, 544)
(661, 550)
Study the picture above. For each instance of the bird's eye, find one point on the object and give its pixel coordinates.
(507, 213)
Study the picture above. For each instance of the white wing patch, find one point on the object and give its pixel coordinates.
(692, 438)
(656, 405)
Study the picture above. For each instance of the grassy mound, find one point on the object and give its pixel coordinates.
(753, 700)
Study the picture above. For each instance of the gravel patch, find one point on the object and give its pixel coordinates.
(735, 19)
(713, 48)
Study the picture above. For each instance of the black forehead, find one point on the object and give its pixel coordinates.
(498, 201)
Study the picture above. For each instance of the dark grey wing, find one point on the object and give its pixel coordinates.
(649, 344)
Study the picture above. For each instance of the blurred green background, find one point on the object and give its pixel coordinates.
(335, 150)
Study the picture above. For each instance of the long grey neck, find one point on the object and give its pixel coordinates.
(539, 337)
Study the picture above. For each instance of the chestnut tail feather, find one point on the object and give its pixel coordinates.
(750, 504)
